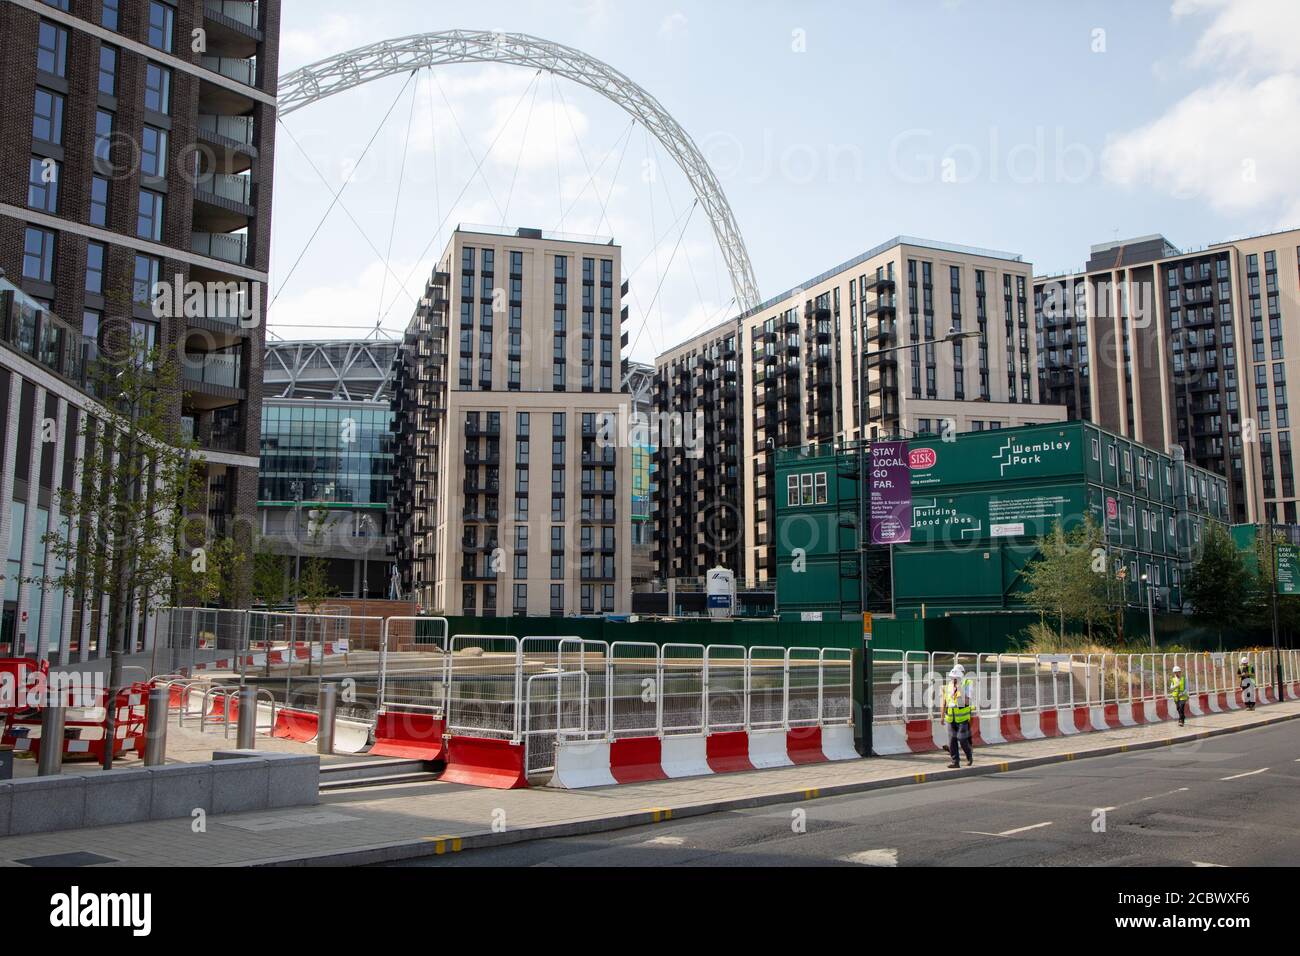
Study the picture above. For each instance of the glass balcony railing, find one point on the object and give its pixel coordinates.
(239, 70)
(235, 188)
(228, 247)
(44, 337)
(236, 128)
(212, 368)
(241, 11)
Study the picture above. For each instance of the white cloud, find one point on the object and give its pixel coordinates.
(1232, 143)
(673, 23)
(1257, 35)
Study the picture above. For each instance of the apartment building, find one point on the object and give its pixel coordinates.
(136, 157)
(942, 332)
(513, 471)
(1187, 348)
(327, 459)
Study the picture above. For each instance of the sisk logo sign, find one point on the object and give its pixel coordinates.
(922, 459)
(74, 910)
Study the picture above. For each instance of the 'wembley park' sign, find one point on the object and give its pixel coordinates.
(987, 457)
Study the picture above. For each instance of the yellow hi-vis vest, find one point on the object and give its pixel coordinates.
(1246, 670)
(956, 714)
(1178, 688)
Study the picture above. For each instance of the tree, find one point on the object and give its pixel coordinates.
(314, 588)
(1219, 585)
(124, 530)
(270, 576)
(1068, 578)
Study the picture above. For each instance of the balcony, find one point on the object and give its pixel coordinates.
(42, 336)
(240, 70)
(243, 12)
(228, 247)
(235, 189)
(219, 369)
(228, 130)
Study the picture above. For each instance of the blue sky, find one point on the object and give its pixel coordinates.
(1032, 127)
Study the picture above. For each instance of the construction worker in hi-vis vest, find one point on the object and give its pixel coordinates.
(956, 713)
(1178, 691)
(1249, 686)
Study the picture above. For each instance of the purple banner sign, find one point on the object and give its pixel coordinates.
(890, 478)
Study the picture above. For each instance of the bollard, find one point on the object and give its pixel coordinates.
(246, 736)
(155, 733)
(50, 763)
(328, 704)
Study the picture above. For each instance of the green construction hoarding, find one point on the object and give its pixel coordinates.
(980, 505)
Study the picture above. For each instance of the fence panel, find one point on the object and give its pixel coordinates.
(585, 716)
(765, 688)
(636, 691)
(725, 671)
(837, 686)
(486, 687)
(890, 682)
(805, 693)
(413, 666)
(682, 689)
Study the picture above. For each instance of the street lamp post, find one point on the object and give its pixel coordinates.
(297, 540)
(1151, 609)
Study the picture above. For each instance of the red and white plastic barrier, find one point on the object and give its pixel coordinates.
(485, 762)
(414, 735)
(582, 764)
(85, 732)
(298, 652)
(926, 735)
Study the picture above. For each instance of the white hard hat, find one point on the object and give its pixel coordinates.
(955, 672)
(1245, 660)
(958, 668)
(1177, 669)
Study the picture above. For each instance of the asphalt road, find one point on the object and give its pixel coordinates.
(1225, 801)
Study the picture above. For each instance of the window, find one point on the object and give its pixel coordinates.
(98, 201)
(792, 491)
(149, 222)
(557, 600)
(108, 15)
(153, 151)
(103, 134)
(521, 599)
(95, 268)
(108, 70)
(52, 49)
(43, 185)
(1096, 450)
(145, 279)
(47, 118)
(162, 22)
(806, 489)
(819, 483)
(157, 88)
(38, 255)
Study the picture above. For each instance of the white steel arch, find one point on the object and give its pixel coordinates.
(346, 70)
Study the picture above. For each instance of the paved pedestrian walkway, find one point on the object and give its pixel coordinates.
(373, 826)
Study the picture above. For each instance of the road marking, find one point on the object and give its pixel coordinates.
(665, 841)
(1248, 774)
(881, 857)
(1007, 833)
(1216, 865)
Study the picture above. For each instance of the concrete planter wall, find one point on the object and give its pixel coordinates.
(236, 782)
